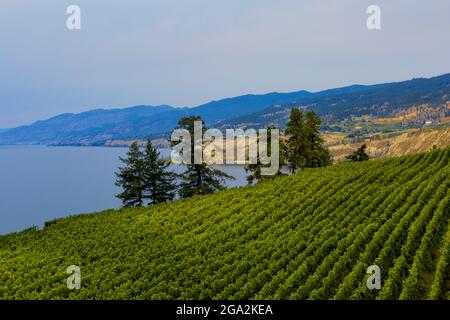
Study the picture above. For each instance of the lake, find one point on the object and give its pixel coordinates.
(42, 183)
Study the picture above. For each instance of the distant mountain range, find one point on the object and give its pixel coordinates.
(377, 100)
(100, 126)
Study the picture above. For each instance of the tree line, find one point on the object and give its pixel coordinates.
(145, 177)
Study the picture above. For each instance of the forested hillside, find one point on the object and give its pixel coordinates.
(381, 100)
(101, 126)
(106, 126)
(311, 235)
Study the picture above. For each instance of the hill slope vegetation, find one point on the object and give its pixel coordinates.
(311, 235)
(410, 142)
(381, 100)
(101, 126)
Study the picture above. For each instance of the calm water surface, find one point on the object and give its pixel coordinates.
(41, 183)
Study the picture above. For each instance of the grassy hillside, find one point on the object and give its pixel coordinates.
(410, 142)
(310, 235)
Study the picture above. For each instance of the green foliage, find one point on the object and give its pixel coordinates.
(296, 140)
(158, 183)
(130, 178)
(145, 177)
(199, 179)
(255, 169)
(310, 235)
(304, 146)
(359, 155)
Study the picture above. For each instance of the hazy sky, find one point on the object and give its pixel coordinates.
(185, 53)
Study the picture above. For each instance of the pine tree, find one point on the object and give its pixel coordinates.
(296, 140)
(255, 169)
(359, 155)
(304, 146)
(158, 183)
(129, 178)
(199, 179)
(316, 154)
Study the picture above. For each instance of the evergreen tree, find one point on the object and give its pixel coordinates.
(158, 183)
(359, 155)
(255, 169)
(199, 178)
(315, 153)
(296, 140)
(304, 146)
(130, 178)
